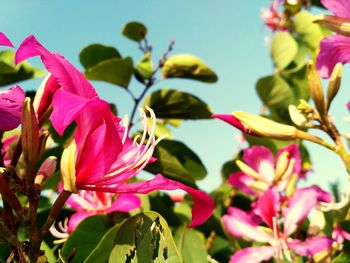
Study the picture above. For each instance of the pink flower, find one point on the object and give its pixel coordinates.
(273, 19)
(269, 206)
(88, 203)
(101, 157)
(260, 170)
(339, 235)
(335, 48)
(4, 41)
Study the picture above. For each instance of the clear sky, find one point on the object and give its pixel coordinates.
(227, 34)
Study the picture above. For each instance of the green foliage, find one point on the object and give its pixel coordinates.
(11, 73)
(146, 238)
(188, 67)
(190, 244)
(176, 161)
(86, 237)
(135, 31)
(284, 48)
(174, 104)
(144, 69)
(95, 53)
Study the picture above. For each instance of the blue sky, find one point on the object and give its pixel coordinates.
(229, 36)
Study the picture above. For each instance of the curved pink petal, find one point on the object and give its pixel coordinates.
(268, 206)
(230, 119)
(310, 246)
(333, 49)
(240, 224)
(339, 235)
(241, 181)
(68, 77)
(203, 204)
(11, 102)
(125, 203)
(338, 7)
(76, 219)
(261, 160)
(4, 41)
(252, 254)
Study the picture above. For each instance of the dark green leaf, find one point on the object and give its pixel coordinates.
(145, 238)
(176, 161)
(188, 67)
(96, 53)
(86, 237)
(317, 3)
(117, 71)
(190, 245)
(283, 49)
(174, 104)
(134, 31)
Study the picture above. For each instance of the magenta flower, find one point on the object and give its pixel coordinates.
(274, 19)
(101, 157)
(278, 236)
(4, 41)
(261, 171)
(335, 48)
(88, 203)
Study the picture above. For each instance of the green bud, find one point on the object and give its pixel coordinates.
(334, 83)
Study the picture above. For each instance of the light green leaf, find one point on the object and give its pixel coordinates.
(117, 71)
(283, 49)
(188, 67)
(145, 238)
(190, 244)
(96, 53)
(176, 161)
(145, 67)
(135, 31)
(174, 104)
(48, 252)
(86, 237)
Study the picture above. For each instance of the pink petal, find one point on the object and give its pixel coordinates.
(203, 205)
(252, 254)
(268, 205)
(65, 73)
(11, 102)
(240, 224)
(333, 49)
(77, 218)
(338, 7)
(125, 203)
(310, 246)
(294, 153)
(261, 160)
(4, 41)
(299, 206)
(339, 235)
(230, 119)
(241, 181)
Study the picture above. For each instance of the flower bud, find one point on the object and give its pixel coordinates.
(340, 25)
(297, 117)
(334, 83)
(304, 107)
(68, 168)
(47, 169)
(316, 88)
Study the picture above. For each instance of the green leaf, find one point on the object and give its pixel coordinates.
(145, 238)
(176, 161)
(174, 104)
(273, 145)
(283, 49)
(104, 247)
(190, 245)
(96, 53)
(188, 67)
(343, 257)
(48, 252)
(11, 73)
(274, 91)
(134, 31)
(309, 32)
(117, 71)
(86, 237)
(144, 68)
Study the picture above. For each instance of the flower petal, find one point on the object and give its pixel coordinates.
(230, 119)
(4, 41)
(203, 205)
(125, 203)
(11, 102)
(294, 153)
(338, 7)
(310, 246)
(268, 205)
(76, 219)
(241, 181)
(252, 254)
(333, 49)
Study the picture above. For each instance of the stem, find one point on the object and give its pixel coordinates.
(55, 210)
(6, 234)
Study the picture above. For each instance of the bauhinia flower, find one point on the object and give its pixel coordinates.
(101, 157)
(88, 203)
(335, 48)
(280, 226)
(261, 171)
(274, 19)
